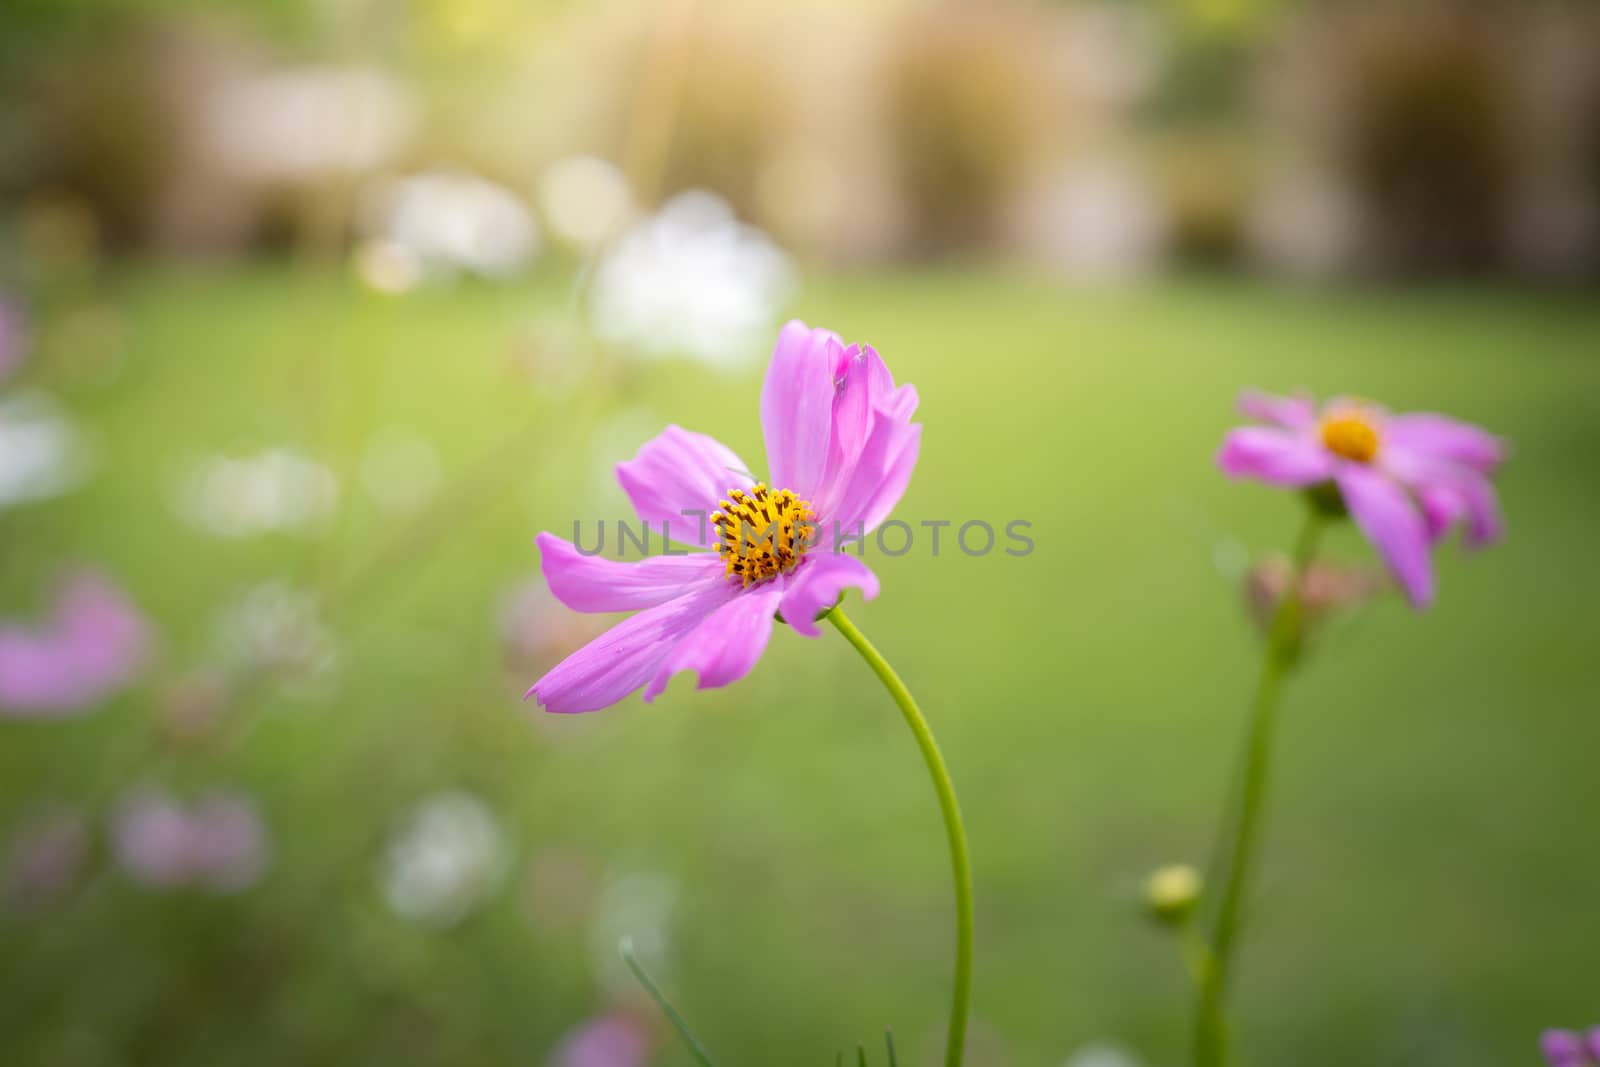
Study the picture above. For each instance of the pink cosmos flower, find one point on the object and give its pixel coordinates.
(94, 642)
(1565, 1048)
(1407, 480)
(840, 451)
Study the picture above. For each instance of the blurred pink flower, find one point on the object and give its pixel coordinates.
(94, 642)
(13, 336)
(1566, 1048)
(1407, 480)
(46, 856)
(217, 843)
(537, 630)
(613, 1040)
(841, 448)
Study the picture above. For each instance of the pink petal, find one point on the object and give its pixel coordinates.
(1448, 491)
(863, 388)
(1290, 412)
(853, 378)
(879, 479)
(1276, 457)
(607, 1041)
(815, 586)
(797, 407)
(1441, 509)
(591, 583)
(727, 644)
(626, 656)
(680, 471)
(1562, 1048)
(1485, 525)
(1441, 437)
(37, 675)
(1391, 522)
(108, 636)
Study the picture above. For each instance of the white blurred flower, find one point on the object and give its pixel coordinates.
(446, 860)
(277, 490)
(453, 222)
(387, 266)
(638, 905)
(308, 123)
(41, 454)
(1305, 226)
(584, 199)
(218, 842)
(1104, 1054)
(692, 280)
(400, 470)
(277, 628)
(1099, 221)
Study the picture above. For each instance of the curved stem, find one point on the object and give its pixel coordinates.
(960, 864)
(1241, 845)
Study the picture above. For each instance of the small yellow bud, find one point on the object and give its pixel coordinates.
(1172, 892)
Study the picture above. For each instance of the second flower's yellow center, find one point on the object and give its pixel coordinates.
(1350, 434)
(762, 533)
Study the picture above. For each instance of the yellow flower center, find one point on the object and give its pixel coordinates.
(762, 533)
(1350, 434)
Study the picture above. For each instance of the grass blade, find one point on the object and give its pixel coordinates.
(628, 957)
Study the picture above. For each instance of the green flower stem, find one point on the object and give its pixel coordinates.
(960, 864)
(1240, 847)
(1196, 956)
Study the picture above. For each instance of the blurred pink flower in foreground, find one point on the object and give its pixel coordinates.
(841, 447)
(613, 1040)
(1407, 480)
(93, 643)
(218, 842)
(13, 336)
(1566, 1048)
(45, 856)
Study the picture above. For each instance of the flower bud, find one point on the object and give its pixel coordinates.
(1171, 893)
(1326, 589)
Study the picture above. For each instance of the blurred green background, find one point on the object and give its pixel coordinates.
(343, 635)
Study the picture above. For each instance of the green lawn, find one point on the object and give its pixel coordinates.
(1431, 878)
